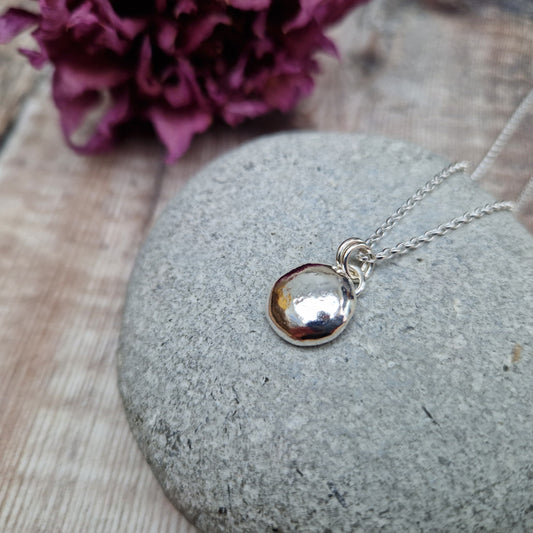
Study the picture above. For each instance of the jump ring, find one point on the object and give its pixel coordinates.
(357, 277)
(349, 247)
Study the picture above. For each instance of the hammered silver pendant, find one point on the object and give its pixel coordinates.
(313, 303)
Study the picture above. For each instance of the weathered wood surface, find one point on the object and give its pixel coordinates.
(70, 228)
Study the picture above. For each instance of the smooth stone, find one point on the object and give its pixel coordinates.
(311, 305)
(417, 418)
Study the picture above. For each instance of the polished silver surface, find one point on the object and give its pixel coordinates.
(311, 304)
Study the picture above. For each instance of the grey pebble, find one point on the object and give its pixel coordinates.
(417, 418)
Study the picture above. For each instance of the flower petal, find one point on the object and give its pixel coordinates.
(15, 21)
(75, 110)
(147, 83)
(104, 135)
(200, 29)
(284, 91)
(177, 128)
(251, 5)
(35, 57)
(75, 76)
(166, 36)
(185, 7)
(237, 111)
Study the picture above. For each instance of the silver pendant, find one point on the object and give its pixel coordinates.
(313, 303)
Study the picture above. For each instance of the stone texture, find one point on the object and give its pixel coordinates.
(418, 417)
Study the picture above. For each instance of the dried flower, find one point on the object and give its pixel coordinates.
(176, 63)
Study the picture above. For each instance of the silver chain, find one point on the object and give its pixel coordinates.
(439, 231)
(411, 202)
(526, 196)
(362, 250)
(503, 138)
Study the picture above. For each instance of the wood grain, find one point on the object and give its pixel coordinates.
(70, 228)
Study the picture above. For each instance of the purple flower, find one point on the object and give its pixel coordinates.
(175, 63)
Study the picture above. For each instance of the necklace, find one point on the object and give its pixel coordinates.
(313, 303)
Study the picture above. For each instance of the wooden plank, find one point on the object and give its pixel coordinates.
(70, 228)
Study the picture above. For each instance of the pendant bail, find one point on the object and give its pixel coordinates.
(349, 260)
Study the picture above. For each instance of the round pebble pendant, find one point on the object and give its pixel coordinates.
(311, 304)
